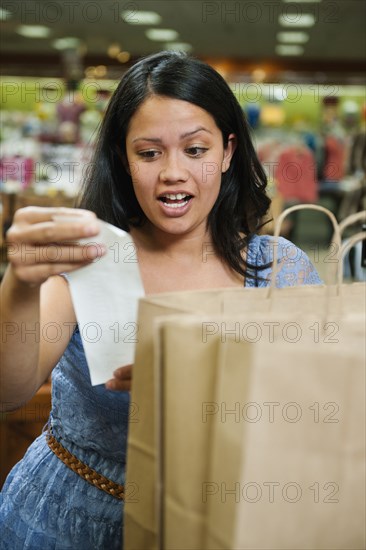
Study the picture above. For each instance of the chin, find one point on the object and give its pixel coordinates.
(175, 227)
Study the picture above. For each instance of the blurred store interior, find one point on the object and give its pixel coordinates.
(297, 69)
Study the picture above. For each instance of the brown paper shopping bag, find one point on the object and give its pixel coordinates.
(186, 443)
(140, 518)
(296, 478)
(143, 519)
(267, 450)
(253, 377)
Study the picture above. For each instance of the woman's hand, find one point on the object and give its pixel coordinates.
(122, 379)
(41, 242)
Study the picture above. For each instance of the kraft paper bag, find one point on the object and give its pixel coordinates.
(267, 449)
(288, 465)
(140, 521)
(303, 310)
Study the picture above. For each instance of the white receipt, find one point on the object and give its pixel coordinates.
(105, 296)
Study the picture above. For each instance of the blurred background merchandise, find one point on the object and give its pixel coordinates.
(297, 69)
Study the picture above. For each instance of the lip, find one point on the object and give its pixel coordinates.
(175, 212)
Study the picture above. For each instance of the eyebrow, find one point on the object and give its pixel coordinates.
(182, 136)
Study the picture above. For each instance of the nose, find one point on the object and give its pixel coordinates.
(173, 170)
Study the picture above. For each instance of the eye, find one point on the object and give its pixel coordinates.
(196, 151)
(150, 154)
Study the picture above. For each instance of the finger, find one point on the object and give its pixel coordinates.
(52, 231)
(117, 385)
(123, 373)
(38, 214)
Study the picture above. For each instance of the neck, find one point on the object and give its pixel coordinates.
(191, 247)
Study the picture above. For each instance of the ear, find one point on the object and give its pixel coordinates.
(228, 152)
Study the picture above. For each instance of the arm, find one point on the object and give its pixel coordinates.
(33, 301)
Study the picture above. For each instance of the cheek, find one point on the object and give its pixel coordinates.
(211, 189)
(142, 176)
(211, 182)
(210, 173)
(133, 170)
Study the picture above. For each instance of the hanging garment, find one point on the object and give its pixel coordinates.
(295, 175)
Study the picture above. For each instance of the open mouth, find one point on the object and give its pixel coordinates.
(177, 200)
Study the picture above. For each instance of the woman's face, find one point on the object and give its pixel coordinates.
(176, 159)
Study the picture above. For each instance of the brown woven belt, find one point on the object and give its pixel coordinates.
(84, 471)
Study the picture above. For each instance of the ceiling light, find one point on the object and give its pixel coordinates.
(301, 1)
(5, 14)
(34, 31)
(293, 37)
(179, 46)
(123, 57)
(66, 43)
(287, 49)
(162, 35)
(114, 50)
(296, 20)
(133, 17)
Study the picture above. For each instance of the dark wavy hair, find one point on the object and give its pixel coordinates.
(242, 201)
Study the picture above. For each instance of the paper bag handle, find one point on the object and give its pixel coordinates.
(351, 219)
(346, 246)
(277, 230)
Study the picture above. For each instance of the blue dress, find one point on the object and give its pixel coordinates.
(46, 505)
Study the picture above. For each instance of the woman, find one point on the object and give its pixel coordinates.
(174, 166)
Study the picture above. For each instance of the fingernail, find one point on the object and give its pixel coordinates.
(102, 249)
(94, 251)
